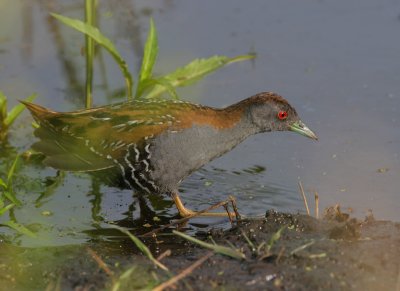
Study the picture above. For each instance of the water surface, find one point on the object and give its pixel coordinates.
(337, 62)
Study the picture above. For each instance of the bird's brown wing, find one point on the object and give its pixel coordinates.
(94, 139)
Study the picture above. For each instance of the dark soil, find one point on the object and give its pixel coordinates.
(333, 253)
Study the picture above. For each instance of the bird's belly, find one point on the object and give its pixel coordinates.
(177, 155)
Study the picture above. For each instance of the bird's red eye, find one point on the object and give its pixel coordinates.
(282, 115)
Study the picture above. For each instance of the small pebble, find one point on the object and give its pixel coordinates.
(270, 277)
(46, 213)
(208, 183)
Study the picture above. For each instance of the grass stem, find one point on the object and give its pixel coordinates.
(90, 18)
(304, 197)
(316, 196)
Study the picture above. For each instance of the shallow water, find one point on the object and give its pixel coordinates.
(337, 62)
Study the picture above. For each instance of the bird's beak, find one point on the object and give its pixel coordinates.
(302, 129)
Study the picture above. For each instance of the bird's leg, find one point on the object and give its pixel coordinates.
(146, 213)
(185, 212)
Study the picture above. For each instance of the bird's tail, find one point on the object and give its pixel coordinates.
(38, 112)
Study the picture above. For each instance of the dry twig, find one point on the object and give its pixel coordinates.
(229, 214)
(184, 273)
(167, 253)
(304, 197)
(234, 206)
(280, 254)
(100, 262)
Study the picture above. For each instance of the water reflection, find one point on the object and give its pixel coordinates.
(126, 18)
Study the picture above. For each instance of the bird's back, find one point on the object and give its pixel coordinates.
(120, 138)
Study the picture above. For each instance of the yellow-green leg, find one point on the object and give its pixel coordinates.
(185, 212)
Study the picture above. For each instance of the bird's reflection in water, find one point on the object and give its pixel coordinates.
(146, 213)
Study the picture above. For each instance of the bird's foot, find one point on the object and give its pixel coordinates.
(185, 212)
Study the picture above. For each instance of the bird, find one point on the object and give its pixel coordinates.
(153, 145)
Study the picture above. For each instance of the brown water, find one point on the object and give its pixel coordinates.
(337, 62)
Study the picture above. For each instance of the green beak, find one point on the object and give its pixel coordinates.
(302, 129)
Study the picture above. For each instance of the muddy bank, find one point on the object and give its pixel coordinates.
(334, 253)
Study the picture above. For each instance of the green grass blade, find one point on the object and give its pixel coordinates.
(94, 33)
(230, 252)
(149, 57)
(142, 247)
(252, 246)
(195, 71)
(125, 276)
(275, 237)
(302, 247)
(17, 110)
(19, 227)
(5, 209)
(11, 171)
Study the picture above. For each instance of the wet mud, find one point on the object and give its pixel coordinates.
(283, 252)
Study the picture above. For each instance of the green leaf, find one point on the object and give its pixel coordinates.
(142, 247)
(230, 252)
(5, 209)
(10, 196)
(154, 82)
(149, 57)
(19, 227)
(17, 110)
(94, 33)
(125, 276)
(195, 71)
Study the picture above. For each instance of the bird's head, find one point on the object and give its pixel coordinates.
(271, 112)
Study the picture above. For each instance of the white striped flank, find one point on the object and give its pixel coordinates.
(149, 181)
(126, 158)
(147, 165)
(123, 173)
(137, 153)
(147, 150)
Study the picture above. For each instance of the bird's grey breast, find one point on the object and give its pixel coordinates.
(176, 154)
